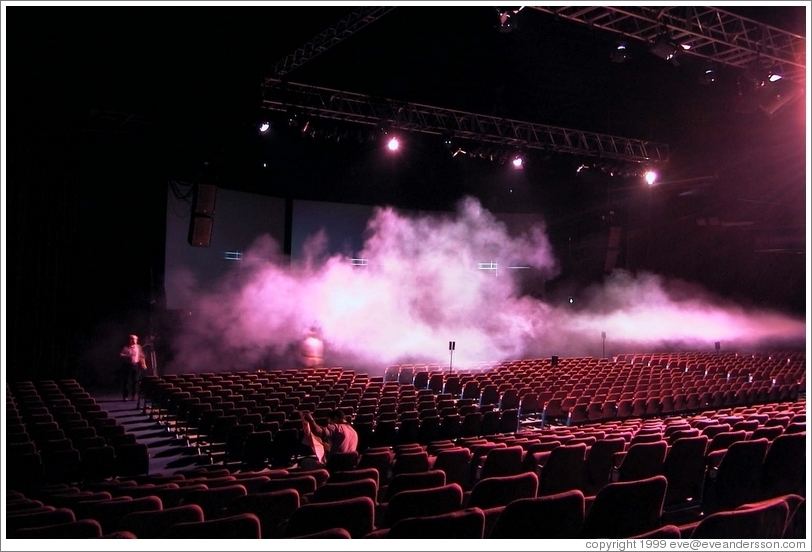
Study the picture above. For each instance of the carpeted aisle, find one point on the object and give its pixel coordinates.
(167, 452)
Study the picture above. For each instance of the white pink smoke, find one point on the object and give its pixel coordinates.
(421, 289)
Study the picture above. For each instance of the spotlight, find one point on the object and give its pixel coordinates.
(763, 88)
(778, 95)
(264, 126)
(507, 22)
(393, 144)
(759, 76)
(651, 177)
(664, 47)
(518, 162)
(620, 53)
(709, 74)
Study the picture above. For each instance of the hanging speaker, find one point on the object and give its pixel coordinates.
(200, 230)
(204, 197)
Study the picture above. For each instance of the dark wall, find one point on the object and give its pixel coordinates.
(85, 229)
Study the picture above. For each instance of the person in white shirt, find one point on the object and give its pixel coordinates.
(311, 349)
(133, 364)
(337, 436)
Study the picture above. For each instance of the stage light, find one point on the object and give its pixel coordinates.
(651, 177)
(393, 144)
(758, 75)
(506, 19)
(518, 162)
(763, 88)
(709, 74)
(664, 47)
(778, 95)
(620, 53)
(264, 126)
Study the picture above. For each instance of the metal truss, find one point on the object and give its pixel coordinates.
(328, 38)
(325, 103)
(712, 33)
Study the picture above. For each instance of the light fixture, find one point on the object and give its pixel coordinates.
(651, 177)
(264, 126)
(518, 161)
(757, 75)
(620, 53)
(666, 48)
(709, 74)
(393, 143)
(507, 22)
(762, 88)
(778, 95)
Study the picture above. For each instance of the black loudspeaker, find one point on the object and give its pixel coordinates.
(204, 197)
(200, 230)
(554, 360)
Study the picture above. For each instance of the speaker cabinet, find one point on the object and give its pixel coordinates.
(200, 230)
(204, 197)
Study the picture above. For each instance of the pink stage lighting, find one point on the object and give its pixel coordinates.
(393, 144)
(651, 177)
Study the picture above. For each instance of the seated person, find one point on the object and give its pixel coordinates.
(337, 436)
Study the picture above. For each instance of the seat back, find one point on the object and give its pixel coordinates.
(342, 461)
(462, 524)
(502, 461)
(624, 509)
(410, 462)
(214, 501)
(502, 490)
(355, 475)
(356, 515)
(766, 521)
(562, 470)
(422, 502)
(737, 480)
(555, 516)
(598, 463)
(272, 508)
(153, 524)
(784, 469)
(412, 481)
(79, 529)
(109, 512)
(241, 526)
(455, 463)
(684, 467)
(331, 492)
(643, 460)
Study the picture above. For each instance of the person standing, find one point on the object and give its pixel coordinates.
(311, 349)
(133, 363)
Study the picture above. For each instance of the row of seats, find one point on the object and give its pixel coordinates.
(57, 433)
(498, 507)
(490, 472)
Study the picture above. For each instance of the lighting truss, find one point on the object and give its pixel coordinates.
(349, 107)
(328, 38)
(712, 33)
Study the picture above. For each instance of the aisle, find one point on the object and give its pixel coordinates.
(167, 453)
